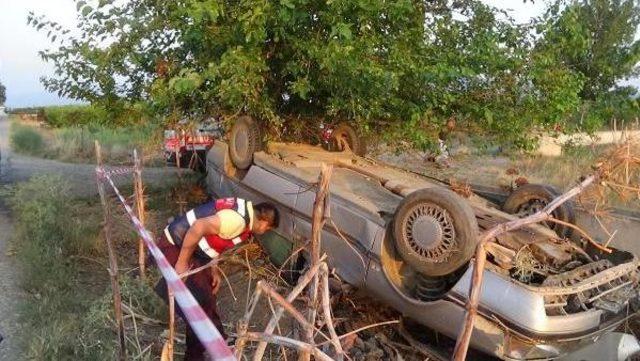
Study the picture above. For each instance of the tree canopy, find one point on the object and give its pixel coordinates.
(402, 65)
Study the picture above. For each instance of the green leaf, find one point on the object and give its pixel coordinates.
(86, 10)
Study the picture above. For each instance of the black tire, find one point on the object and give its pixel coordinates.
(344, 131)
(529, 198)
(244, 140)
(449, 231)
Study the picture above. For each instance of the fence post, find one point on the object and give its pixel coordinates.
(317, 223)
(113, 263)
(172, 320)
(140, 208)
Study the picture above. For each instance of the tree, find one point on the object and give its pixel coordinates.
(3, 94)
(595, 38)
(400, 66)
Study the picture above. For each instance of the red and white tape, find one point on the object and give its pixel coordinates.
(114, 171)
(207, 333)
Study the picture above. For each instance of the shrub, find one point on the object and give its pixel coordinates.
(67, 314)
(75, 115)
(26, 139)
(92, 115)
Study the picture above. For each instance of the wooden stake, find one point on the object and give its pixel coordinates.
(172, 319)
(140, 208)
(113, 262)
(317, 219)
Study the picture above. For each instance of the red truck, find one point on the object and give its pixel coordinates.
(186, 146)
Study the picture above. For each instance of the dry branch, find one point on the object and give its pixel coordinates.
(326, 308)
(317, 219)
(302, 284)
(288, 342)
(462, 344)
(604, 175)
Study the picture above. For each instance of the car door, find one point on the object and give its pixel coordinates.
(344, 236)
(261, 185)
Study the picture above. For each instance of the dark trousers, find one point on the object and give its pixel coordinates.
(200, 286)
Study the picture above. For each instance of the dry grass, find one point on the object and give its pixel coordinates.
(505, 171)
(76, 144)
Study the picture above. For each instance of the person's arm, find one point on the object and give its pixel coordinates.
(200, 228)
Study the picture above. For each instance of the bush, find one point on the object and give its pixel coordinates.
(75, 115)
(93, 115)
(26, 139)
(68, 312)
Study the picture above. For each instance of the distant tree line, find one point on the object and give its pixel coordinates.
(403, 66)
(3, 94)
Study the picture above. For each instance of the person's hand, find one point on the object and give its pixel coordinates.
(216, 280)
(181, 268)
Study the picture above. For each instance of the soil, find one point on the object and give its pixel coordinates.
(16, 168)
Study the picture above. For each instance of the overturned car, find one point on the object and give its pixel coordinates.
(409, 241)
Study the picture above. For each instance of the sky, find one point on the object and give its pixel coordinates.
(20, 65)
(21, 68)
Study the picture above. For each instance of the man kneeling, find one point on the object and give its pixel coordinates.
(203, 233)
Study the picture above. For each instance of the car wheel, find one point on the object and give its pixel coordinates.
(531, 198)
(435, 231)
(344, 133)
(244, 140)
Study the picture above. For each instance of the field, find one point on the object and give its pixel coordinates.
(504, 169)
(75, 144)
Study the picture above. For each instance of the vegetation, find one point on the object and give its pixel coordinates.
(75, 115)
(404, 66)
(68, 310)
(3, 94)
(89, 115)
(27, 140)
(76, 144)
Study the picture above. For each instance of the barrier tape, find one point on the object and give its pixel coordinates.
(114, 171)
(207, 333)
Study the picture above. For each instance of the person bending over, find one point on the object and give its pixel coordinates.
(201, 235)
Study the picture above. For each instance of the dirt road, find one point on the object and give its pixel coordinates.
(16, 168)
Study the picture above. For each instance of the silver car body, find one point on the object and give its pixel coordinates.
(515, 322)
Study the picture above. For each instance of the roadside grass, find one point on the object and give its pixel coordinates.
(562, 171)
(26, 140)
(76, 144)
(68, 311)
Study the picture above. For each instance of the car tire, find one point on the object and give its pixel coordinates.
(529, 198)
(356, 143)
(448, 231)
(244, 140)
